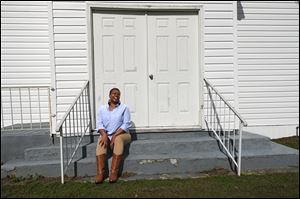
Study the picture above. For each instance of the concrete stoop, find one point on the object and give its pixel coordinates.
(152, 154)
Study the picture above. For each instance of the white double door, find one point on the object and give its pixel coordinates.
(152, 58)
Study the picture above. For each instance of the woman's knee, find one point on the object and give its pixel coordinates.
(121, 141)
(100, 150)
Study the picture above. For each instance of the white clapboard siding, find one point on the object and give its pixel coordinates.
(76, 45)
(218, 45)
(24, 43)
(216, 67)
(75, 68)
(24, 37)
(252, 61)
(24, 69)
(24, 51)
(25, 60)
(268, 83)
(70, 46)
(268, 60)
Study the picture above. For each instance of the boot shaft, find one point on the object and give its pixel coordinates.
(116, 161)
(115, 166)
(100, 161)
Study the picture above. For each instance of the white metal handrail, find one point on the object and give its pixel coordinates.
(25, 108)
(73, 126)
(225, 122)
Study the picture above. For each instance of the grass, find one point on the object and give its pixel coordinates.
(275, 185)
(264, 183)
(292, 142)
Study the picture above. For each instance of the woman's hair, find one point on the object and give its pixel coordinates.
(111, 90)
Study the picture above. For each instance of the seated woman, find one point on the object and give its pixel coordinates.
(113, 122)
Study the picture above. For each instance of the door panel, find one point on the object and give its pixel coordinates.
(120, 60)
(131, 46)
(173, 61)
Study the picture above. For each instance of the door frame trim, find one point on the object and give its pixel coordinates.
(92, 6)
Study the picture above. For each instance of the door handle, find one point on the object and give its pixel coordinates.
(151, 76)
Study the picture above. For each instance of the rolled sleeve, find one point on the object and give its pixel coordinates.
(126, 121)
(99, 123)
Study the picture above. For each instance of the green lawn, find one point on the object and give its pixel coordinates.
(292, 142)
(268, 183)
(275, 185)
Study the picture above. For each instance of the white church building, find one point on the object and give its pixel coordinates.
(160, 54)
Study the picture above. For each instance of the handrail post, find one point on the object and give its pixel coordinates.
(240, 149)
(61, 155)
(49, 111)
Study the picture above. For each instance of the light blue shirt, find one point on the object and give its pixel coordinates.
(111, 121)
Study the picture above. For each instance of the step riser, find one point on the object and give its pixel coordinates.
(154, 136)
(136, 148)
(135, 167)
(163, 166)
(163, 135)
(148, 136)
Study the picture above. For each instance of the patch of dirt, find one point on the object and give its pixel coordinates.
(127, 174)
(269, 171)
(218, 171)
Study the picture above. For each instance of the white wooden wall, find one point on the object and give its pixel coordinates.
(252, 60)
(70, 51)
(219, 51)
(25, 61)
(268, 60)
(25, 58)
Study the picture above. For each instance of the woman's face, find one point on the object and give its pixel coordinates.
(115, 96)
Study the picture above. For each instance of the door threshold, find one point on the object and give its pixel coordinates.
(164, 129)
(160, 129)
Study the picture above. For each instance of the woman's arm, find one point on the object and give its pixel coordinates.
(124, 127)
(99, 122)
(100, 127)
(126, 120)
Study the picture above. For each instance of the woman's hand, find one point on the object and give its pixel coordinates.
(117, 133)
(113, 140)
(103, 140)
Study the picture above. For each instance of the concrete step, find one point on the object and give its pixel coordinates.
(277, 156)
(13, 143)
(166, 135)
(171, 144)
(158, 153)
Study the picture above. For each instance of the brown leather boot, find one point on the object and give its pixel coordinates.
(115, 165)
(100, 160)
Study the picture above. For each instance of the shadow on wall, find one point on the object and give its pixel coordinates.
(133, 131)
(240, 11)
